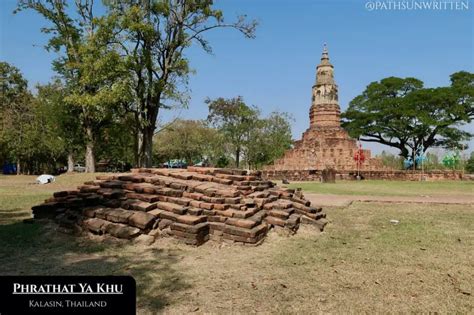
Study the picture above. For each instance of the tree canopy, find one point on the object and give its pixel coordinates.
(258, 140)
(87, 62)
(128, 56)
(402, 114)
(189, 140)
(153, 37)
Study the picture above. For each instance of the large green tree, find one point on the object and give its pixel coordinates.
(15, 113)
(402, 114)
(51, 99)
(31, 126)
(235, 121)
(154, 36)
(190, 140)
(87, 61)
(268, 140)
(248, 136)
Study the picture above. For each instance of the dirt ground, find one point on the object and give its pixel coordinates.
(331, 200)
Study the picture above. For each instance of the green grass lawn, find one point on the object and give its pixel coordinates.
(19, 193)
(389, 188)
(361, 263)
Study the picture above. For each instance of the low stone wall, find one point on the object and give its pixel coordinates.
(315, 175)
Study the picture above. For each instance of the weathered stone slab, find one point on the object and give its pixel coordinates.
(144, 197)
(101, 213)
(279, 214)
(201, 228)
(191, 219)
(118, 215)
(274, 221)
(95, 225)
(169, 215)
(243, 223)
(143, 206)
(171, 207)
(121, 230)
(142, 220)
(194, 211)
(112, 184)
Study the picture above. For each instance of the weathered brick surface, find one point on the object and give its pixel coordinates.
(143, 206)
(169, 215)
(188, 204)
(201, 228)
(119, 215)
(141, 220)
(171, 207)
(101, 213)
(275, 221)
(248, 224)
(279, 214)
(143, 197)
(122, 230)
(191, 219)
(219, 226)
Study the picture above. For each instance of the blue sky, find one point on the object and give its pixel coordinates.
(276, 70)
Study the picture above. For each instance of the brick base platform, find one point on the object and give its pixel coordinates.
(191, 205)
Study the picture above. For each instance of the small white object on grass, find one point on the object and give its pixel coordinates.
(45, 179)
(394, 221)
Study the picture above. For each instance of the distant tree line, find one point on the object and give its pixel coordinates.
(234, 134)
(41, 131)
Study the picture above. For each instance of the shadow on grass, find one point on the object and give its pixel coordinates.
(15, 215)
(36, 249)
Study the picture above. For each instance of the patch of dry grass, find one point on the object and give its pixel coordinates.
(361, 263)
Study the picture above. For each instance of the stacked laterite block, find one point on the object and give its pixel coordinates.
(192, 205)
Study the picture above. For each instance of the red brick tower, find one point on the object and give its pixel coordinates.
(325, 143)
(325, 111)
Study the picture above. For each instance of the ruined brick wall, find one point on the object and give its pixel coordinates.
(191, 205)
(321, 148)
(315, 175)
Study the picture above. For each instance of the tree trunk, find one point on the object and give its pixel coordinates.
(137, 143)
(146, 158)
(237, 157)
(18, 167)
(136, 148)
(90, 151)
(70, 162)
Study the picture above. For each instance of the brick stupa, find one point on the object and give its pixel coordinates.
(325, 144)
